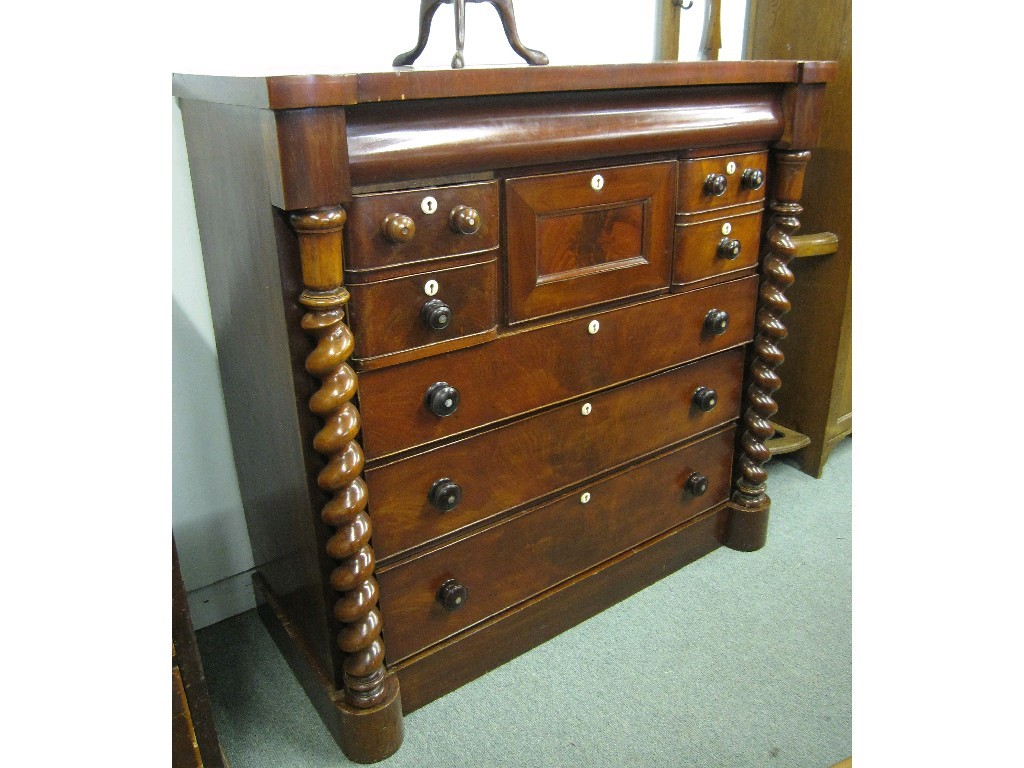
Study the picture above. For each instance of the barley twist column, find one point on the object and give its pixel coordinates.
(367, 690)
(748, 526)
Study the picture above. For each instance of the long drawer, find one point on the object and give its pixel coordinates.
(509, 466)
(525, 554)
(524, 371)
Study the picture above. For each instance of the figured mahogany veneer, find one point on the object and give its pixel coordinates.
(577, 239)
(524, 371)
(488, 365)
(699, 252)
(548, 451)
(434, 237)
(693, 177)
(387, 316)
(519, 557)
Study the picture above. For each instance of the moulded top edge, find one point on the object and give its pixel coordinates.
(408, 83)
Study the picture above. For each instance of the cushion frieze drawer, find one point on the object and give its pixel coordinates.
(481, 575)
(423, 310)
(585, 237)
(511, 465)
(521, 372)
(387, 229)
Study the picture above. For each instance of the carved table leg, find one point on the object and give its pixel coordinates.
(371, 709)
(748, 526)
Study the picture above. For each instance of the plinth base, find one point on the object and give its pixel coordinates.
(364, 735)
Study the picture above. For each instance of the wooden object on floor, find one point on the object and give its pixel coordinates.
(497, 351)
(508, 22)
(194, 742)
(818, 399)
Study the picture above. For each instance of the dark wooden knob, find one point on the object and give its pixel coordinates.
(705, 399)
(716, 322)
(465, 220)
(445, 494)
(442, 399)
(452, 595)
(697, 484)
(753, 178)
(715, 184)
(436, 314)
(399, 228)
(728, 249)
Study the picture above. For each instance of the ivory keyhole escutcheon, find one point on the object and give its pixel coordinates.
(586, 409)
(726, 229)
(429, 205)
(430, 287)
(585, 498)
(730, 167)
(597, 183)
(594, 327)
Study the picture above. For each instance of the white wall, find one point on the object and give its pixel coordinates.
(257, 38)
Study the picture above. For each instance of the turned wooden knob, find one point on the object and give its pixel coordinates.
(728, 248)
(715, 184)
(705, 399)
(442, 399)
(452, 595)
(398, 228)
(445, 494)
(753, 178)
(465, 220)
(697, 484)
(436, 314)
(716, 322)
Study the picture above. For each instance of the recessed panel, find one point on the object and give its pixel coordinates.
(582, 238)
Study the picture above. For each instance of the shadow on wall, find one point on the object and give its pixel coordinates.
(209, 524)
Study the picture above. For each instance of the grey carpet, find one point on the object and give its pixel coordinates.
(738, 660)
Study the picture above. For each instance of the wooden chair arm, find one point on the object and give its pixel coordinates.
(818, 244)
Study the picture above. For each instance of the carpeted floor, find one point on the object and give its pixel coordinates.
(738, 660)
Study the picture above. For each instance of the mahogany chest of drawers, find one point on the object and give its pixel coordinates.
(498, 348)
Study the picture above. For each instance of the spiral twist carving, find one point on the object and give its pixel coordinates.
(355, 609)
(776, 277)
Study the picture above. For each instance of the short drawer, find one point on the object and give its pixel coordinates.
(714, 247)
(525, 554)
(514, 464)
(378, 233)
(697, 179)
(531, 369)
(424, 309)
(578, 239)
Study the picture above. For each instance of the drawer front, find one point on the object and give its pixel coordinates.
(523, 371)
(578, 239)
(512, 465)
(525, 554)
(393, 315)
(708, 249)
(693, 178)
(433, 235)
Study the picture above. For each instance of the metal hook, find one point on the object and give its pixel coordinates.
(680, 4)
